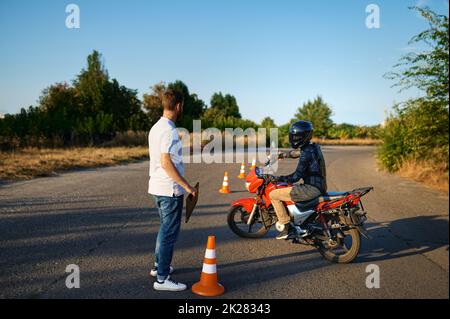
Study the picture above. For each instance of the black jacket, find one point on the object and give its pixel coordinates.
(310, 167)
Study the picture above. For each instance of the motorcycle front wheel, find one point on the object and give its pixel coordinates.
(237, 221)
(345, 249)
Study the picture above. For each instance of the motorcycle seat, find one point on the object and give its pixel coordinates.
(311, 204)
(333, 195)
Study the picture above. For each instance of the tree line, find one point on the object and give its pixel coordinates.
(93, 108)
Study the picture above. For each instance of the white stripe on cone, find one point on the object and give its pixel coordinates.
(209, 269)
(210, 253)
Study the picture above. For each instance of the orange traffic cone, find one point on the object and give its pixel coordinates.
(242, 172)
(225, 185)
(208, 285)
(253, 164)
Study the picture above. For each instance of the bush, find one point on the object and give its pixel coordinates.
(418, 131)
(393, 149)
(349, 131)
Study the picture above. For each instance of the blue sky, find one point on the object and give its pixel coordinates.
(272, 55)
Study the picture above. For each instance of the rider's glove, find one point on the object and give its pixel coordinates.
(282, 155)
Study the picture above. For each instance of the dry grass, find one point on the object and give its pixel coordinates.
(32, 162)
(354, 141)
(434, 175)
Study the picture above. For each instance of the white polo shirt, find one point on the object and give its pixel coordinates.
(163, 138)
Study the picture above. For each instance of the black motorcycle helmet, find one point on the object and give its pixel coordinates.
(300, 133)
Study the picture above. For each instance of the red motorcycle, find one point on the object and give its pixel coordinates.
(333, 222)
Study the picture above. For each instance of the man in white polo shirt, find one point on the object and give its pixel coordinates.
(168, 186)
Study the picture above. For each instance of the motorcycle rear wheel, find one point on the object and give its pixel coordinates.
(349, 254)
(237, 221)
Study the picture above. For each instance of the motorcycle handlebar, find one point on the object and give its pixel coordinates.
(269, 160)
(268, 163)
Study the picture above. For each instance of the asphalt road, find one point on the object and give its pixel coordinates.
(104, 221)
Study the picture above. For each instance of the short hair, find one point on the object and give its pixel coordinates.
(171, 98)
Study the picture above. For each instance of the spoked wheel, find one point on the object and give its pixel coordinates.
(237, 220)
(343, 248)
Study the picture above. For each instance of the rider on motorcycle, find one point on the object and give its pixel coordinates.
(310, 168)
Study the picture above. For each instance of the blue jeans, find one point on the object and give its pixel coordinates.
(170, 210)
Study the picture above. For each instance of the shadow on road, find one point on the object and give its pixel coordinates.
(404, 237)
(255, 262)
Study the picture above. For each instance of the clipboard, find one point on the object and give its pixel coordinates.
(191, 201)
